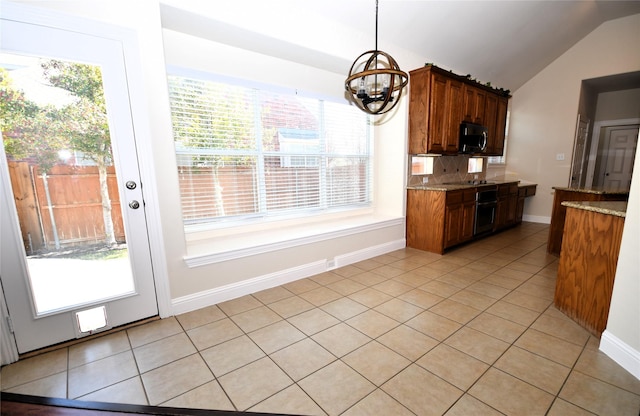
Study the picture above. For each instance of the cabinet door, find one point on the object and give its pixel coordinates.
(468, 218)
(474, 105)
(491, 111)
(444, 114)
(453, 224)
(501, 127)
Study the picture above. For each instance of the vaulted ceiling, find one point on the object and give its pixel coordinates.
(502, 42)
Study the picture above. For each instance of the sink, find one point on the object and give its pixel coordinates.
(473, 182)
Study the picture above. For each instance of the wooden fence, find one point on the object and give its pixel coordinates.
(73, 201)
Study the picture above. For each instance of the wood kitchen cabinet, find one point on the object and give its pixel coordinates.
(435, 102)
(440, 100)
(437, 220)
(460, 212)
(507, 205)
(524, 191)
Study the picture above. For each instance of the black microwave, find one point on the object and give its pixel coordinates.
(473, 138)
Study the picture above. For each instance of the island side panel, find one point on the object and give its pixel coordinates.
(425, 220)
(587, 267)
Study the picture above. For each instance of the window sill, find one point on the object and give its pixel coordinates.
(204, 251)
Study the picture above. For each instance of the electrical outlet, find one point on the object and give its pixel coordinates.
(331, 264)
(425, 179)
(560, 156)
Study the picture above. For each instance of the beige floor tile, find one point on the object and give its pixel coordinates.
(99, 374)
(456, 279)
(399, 310)
(598, 365)
(469, 405)
(513, 274)
(346, 271)
(253, 383)
(407, 264)
(34, 368)
(274, 294)
(410, 388)
(290, 306)
(368, 278)
(372, 323)
(129, 391)
(175, 379)
(255, 318)
(336, 387)
(429, 272)
(562, 328)
(50, 386)
(499, 390)
(555, 349)
(515, 313)
(163, 352)
(599, 397)
(313, 321)
(214, 333)
(524, 267)
(276, 336)
(370, 297)
(530, 288)
(320, 296)
(530, 302)
(239, 305)
(346, 286)
(485, 288)
(302, 358)
(473, 299)
(344, 308)
(497, 327)
(207, 396)
(200, 317)
(413, 278)
(439, 288)
(301, 286)
(563, 408)
(341, 339)
(455, 311)
(434, 325)
(378, 403)
(231, 355)
(408, 342)
(376, 362)
(98, 348)
(477, 344)
(393, 288)
(534, 369)
(453, 366)
(153, 331)
(501, 281)
(387, 271)
(292, 400)
(420, 298)
(368, 264)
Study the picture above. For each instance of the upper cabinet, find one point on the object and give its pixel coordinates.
(440, 100)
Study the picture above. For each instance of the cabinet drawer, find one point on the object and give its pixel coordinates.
(463, 195)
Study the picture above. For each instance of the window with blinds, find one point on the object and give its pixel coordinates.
(246, 153)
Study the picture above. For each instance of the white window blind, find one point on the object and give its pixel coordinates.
(245, 153)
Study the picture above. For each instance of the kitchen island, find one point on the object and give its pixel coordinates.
(562, 194)
(587, 268)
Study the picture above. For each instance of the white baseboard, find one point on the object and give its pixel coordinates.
(536, 218)
(620, 352)
(235, 290)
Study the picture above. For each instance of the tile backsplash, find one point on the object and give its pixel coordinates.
(447, 169)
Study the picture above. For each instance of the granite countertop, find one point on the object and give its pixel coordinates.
(617, 208)
(594, 190)
(443, 187)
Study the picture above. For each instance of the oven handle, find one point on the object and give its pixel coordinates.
(484, 204)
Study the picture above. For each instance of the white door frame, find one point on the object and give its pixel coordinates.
(595, 139)
(135, 84)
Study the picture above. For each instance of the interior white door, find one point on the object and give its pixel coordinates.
(621, 155)
(68, 317)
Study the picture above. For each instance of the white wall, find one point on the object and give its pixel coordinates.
(544, 110)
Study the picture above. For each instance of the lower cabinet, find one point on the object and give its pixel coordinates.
(439, 219)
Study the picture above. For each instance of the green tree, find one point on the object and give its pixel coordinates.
(81, 126)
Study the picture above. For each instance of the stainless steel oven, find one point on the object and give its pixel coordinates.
(486, 205)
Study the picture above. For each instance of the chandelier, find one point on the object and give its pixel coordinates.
(375, 80)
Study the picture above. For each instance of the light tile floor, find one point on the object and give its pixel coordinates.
(471, 332)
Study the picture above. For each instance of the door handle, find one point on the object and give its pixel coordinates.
(134, 204)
